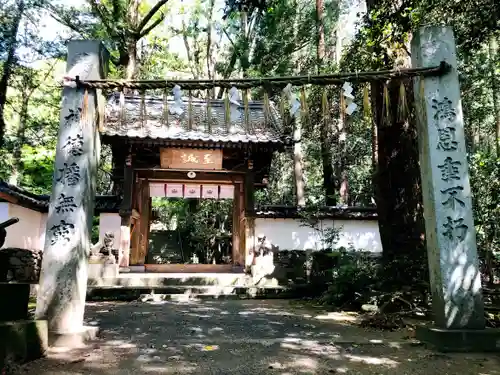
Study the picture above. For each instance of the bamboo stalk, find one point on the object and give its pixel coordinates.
(320, 79)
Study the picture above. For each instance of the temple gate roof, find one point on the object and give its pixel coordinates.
(147, 118)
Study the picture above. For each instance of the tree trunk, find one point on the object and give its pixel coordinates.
(9, 64)
(19, 142)
(397, 181)
(326, 137)
(342, 160)
(298, 172)
(131, 72)
(493, 51)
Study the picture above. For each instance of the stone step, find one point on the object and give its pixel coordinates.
(160, 280)
(185, 292)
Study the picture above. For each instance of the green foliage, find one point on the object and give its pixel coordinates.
(353, 281)
(485, 183)
(328, 235)
(204, 226)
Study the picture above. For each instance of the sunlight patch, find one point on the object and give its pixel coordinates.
(372, 360)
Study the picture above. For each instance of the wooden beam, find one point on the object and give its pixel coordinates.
(181, 176)
(9, 198)
(190, 268)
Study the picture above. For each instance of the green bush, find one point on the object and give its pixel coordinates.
(353, 279)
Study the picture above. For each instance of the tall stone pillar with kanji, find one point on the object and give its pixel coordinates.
(63, 279)
(455, 277)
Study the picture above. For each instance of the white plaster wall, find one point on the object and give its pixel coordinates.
(290, 234)
(43, 228)
(110, 222)
(26, 233)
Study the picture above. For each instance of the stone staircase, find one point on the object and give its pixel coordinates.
(160, 286)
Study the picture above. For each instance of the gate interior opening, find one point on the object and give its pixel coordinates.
(191, 231)
(193, 226)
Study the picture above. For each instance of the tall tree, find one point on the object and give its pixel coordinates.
(10, 60)
(121, 23)
(325, 124)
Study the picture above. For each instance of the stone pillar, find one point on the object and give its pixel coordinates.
(450, 234)
(63, 280)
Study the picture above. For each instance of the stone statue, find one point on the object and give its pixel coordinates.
(263, 260)
(264, 246)
(104, 250)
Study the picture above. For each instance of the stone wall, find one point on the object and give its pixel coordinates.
(20, 265)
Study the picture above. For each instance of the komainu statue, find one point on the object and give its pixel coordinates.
(104, 249)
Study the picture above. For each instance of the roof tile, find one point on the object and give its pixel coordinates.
(260, 128)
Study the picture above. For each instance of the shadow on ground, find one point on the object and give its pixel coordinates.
(244, 337)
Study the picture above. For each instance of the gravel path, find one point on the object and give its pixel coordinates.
(245, 337)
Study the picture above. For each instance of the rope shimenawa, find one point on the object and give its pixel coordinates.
(245, 83)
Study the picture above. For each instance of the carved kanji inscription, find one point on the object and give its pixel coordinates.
(69, 174)
(61, 232)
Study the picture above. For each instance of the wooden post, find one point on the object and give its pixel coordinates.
(126, 212)
(63, 279)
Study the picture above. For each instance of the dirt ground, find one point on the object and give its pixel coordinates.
(246, 337)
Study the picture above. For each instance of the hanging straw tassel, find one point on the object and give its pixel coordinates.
(324, 107)
(402, 112)
(246, 93)
(142, 110)
(227, 111)
(101, 109)
(386, 114)
(190, 111)
(85, 111)
(165, 107)
(421, 103)
(342, 106)
(209, 113)
(303, 105)
(282, 109)
(267, 107)
(366, 102)
(122, 108)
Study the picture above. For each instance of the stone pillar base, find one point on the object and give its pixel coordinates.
(22, 341)
(73, 340)
(460, 340)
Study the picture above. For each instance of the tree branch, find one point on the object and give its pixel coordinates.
(150, 15)
(103, 14)
(148, 29)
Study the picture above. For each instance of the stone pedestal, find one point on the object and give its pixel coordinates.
(262, 268)
(102, 268)
(450, 233)
(21, 340)
(17, 296)
(63, 279)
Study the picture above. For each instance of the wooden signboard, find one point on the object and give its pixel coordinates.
(188, 158)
